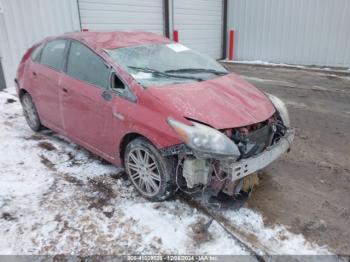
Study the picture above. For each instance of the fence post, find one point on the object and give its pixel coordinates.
(176, 36)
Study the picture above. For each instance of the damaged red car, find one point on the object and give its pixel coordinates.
(173, 118)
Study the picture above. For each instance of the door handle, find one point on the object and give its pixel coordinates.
(65, 90)
(34, 73)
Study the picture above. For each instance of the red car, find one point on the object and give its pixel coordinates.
(173, 118)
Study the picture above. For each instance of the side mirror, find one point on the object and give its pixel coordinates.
(127, 94)
(119, 87)
(107, 95)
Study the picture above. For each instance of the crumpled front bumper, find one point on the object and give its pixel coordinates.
(245, 167)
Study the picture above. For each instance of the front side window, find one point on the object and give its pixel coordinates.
(85, 65)
(162, 64)
(53, 54)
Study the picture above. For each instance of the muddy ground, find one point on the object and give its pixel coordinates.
(308, 190)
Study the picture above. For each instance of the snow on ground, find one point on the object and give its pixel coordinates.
(265, 63)
(259, 62)
(57, 198)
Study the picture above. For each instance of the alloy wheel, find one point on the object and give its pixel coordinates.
(29, 111)
(143, 171)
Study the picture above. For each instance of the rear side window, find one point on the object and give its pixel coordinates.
(85, 65)
(36, 53)
(53, 54)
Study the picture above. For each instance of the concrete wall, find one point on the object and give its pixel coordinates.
(307, 32)
(24, 22)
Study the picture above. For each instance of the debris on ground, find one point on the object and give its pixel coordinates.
(63, 201)
(10, 100)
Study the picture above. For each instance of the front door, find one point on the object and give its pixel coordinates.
(87, 111)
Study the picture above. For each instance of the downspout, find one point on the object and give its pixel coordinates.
(79, 16)
(168, 18)
(224, 29)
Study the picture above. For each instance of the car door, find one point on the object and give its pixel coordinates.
(46, 73)
(86, 100)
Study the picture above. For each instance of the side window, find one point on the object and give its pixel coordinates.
(85, 65)
(36, 53)
(117, 84)
(123, 91)
(53, 54)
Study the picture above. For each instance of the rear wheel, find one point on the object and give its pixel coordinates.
(30, 112)
(151, 174)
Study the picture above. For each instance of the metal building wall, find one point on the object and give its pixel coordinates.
(24, 22)
(2, 77)
(307, 32)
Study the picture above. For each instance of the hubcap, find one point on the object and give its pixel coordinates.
(29, 111)
(143, 171)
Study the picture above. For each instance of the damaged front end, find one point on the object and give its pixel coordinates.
(235, 155)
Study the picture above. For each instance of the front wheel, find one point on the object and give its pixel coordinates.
(30, 112)
(151, 174)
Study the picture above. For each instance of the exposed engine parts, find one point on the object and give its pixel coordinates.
(196, 172)
(252, 140)
(259, 145)
(200, 173)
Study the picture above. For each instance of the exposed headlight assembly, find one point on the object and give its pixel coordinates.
(204, 139)
(281, 108)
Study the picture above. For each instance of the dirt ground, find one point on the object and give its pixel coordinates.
(308, 190)
(86, 208)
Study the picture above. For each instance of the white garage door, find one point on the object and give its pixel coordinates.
(125, 15)
(199, 23)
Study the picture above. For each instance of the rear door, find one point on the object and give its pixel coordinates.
(86, 110)
(46, 73)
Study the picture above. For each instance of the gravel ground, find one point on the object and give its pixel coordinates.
(308, 190)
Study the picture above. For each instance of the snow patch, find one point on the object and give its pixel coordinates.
(259, 62)
(55, 198)
(278, 239)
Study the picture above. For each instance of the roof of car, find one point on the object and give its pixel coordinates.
(117, 39)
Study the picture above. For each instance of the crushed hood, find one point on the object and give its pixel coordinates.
(224, 102)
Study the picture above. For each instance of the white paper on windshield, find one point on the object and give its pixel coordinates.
(178, 47)
(142, 75)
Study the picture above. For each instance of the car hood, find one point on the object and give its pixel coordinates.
(224, 102)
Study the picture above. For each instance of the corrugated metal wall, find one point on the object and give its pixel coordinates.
(307, 32)
(24, 22)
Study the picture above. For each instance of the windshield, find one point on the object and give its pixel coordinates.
(162, 64)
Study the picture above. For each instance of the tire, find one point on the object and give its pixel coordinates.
(30, 113)
(143, 163)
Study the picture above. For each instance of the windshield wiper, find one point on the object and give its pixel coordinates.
(163, 74)
(197, 70)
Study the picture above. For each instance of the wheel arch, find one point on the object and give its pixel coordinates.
(127, 139)
(22, 92)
